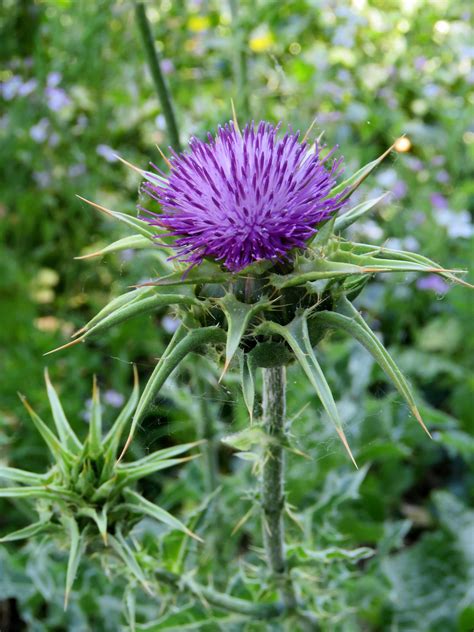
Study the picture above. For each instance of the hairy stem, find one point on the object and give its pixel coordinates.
(208, 432)
(158, 79)
(272, 492)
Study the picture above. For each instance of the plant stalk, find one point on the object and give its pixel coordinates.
(240, 64)
(272, 490)
(157, 75)
(219, 599)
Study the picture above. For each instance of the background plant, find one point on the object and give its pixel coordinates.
(421, 69)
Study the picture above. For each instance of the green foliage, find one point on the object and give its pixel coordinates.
(370, 73)
(87, 493)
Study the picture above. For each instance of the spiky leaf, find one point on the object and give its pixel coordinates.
(22, 476)
(30, 531)
(355, 213)
(138, 504)
(354, 182)
(182, 343)
(247, 380)
(137, 224)
(64, 458)
(112, 438)
(48, 493)
(353, 323)
(297, 336)
(66, 433)
(125, 553)
(77, 542)
(135, 308)
(133, 242)
(238, 316)
(95, 424)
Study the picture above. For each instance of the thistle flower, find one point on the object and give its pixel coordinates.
(236, 200)
(244, 197)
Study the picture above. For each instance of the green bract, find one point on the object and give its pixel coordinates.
(88, 495)
(271, 314)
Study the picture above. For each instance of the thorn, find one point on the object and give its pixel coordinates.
(320, 138)
(299, 453)
(97, 206)
(309, 131)
(234, 116)
(95, 389)
(226, 366)
(194, 536)
(139, 285)
(68, 344)
(89, 256)
(170, 166)
(242, 521)
(416, 412)
(79, 332)
(342, 437)
(129, 164)
(125, 448)
(135, 375)
(465, 283)
(25, 403)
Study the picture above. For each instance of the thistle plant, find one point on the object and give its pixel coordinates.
(257, 269)
(87, 499)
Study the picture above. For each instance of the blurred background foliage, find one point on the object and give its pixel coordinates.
(75, 91)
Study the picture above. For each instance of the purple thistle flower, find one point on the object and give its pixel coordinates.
(242, 198)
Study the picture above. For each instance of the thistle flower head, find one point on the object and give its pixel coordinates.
(244, 197)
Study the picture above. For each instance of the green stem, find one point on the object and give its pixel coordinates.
(220, 600)
(240, 64)
(272, 492)
(158, 79)
(208, 432)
